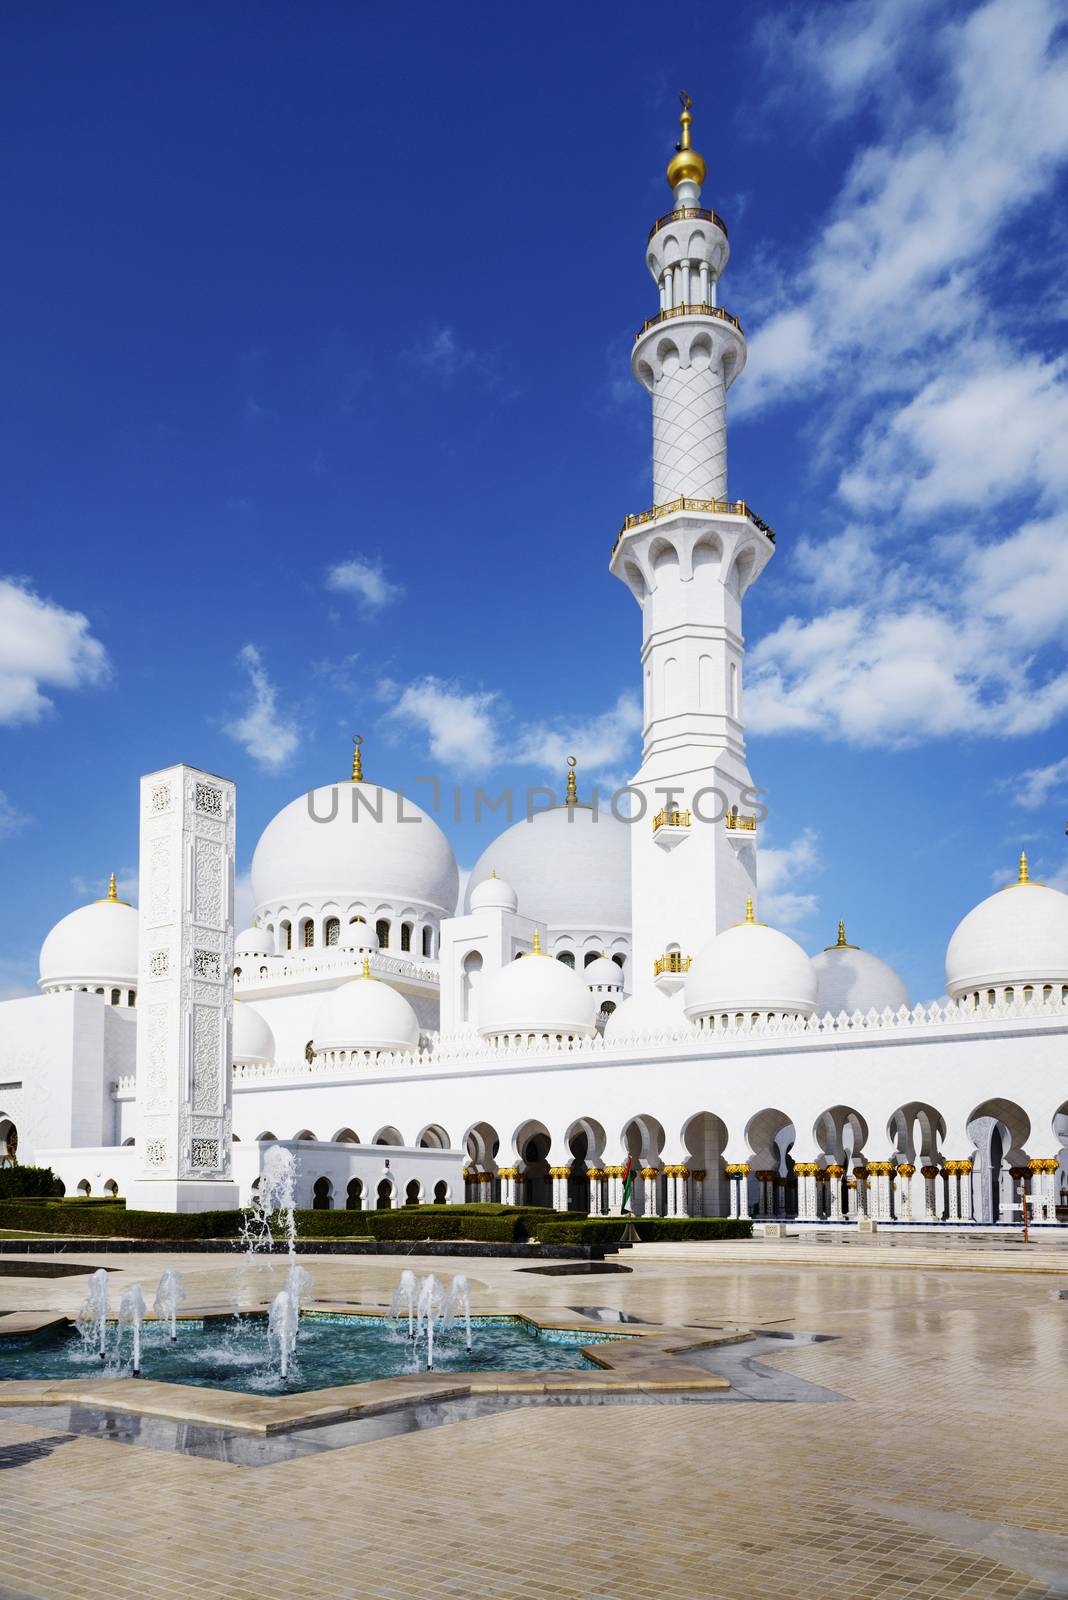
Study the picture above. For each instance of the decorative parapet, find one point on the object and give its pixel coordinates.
(336, 962)
(668, 508)
(733, 820)
(461, 1052)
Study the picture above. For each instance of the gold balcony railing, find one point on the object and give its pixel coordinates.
(688, 214)
(672, 962)
(733, 508)
(699, 308)
(671, 819)
(746, 824)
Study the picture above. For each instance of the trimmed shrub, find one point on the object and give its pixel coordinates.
(24, 1183)
(651, 1230)
(115, 1222)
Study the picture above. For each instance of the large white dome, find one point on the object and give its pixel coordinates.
(371, 847)
(849, 979)
(750, 967)
(253, 1035)
(1018, 935)
(93, 947)
(365, 1014)
(535, 995)
(569, 867)
(253, 942)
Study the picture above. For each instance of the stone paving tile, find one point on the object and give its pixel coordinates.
(957, 1385)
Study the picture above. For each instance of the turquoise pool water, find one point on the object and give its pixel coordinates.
(234, 1353)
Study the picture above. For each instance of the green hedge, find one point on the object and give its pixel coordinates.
(422, 1222)
(25, 1183)
(651, 1230)
(115, 1222)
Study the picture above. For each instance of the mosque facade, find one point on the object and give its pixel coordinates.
(604, 991)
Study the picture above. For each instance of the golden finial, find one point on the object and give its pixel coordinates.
(749, 917)
(571, 798)
(357, 758)
(112, 896)
(1023, 878)
(685, 164)
(493, 872)
(536, 949)
(841, 943)
(366, 966)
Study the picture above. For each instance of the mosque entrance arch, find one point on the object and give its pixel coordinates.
(532, 1143)
(999, 1130)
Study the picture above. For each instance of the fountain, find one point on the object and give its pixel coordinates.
(132, 1315)
(405, 1291)
(276, 1192)
(282, 1324)
(93, 1317)
(459, 1298)
(169, 1297)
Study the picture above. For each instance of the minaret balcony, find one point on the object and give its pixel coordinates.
(697, 309)
(730, 508)
(671, 828)
(688, 214)
(740, 830)
(669, 971)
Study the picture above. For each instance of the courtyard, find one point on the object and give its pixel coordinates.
(915, 1449)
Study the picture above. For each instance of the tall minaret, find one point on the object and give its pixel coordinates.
(688, 561)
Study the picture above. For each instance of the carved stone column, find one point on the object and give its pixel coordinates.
(905, 1173)
(559, 1176)
(651, 1191)
(930, 1193)
(697, 1191)
(185, 993)
(805, 1173)
(834, 1192)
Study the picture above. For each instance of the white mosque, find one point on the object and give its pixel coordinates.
(605, 990)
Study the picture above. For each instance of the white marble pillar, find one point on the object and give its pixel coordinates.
(834, 1192)
(185, 993)
(697, 1191)
(967, 1197)
(651, 1191)
(929, 1175)
(507, 1175)
(559, 1176)
(905, 1173)
(805, 1173)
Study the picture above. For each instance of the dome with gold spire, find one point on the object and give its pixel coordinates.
(686, 165)
(1017, 936)
(93, 948)
(535, 996)
(750, 969)
(850, 979)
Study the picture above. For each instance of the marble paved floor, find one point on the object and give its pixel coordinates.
(944, 1474)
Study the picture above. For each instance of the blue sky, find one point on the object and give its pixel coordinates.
(317, 417)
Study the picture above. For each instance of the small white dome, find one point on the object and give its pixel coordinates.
(535, 994)
(253, 1036)
(750, 967)
(358, 934)
(365, 1014)
(493, 894)
(253, 942)
(849, 979)
(603, 973)
(94, 947)
(650, 1012)
(1017, 935)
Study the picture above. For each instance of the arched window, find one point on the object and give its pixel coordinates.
(567, 957)
(263, 972)
(382, 930)
(619, 960)
(428, 940)
(411, 1194)
(406, 936)
(322, 1195)
(285, 935)
(85, 1188)
(332, 931)
(385, 1195)
(308, 935)
(237, 972)
(131, 998)
(590, 956)
(441, 1192)
(354, 1195)
(116, 996)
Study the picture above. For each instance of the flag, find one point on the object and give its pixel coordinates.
(628, 1182)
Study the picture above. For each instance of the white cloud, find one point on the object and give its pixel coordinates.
(783, 901)
(11, 818)
(442, 353)
(365, 580)
(1033, 788)
(599, 743)
(460, 724)
(268, 736)
(42, 645)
